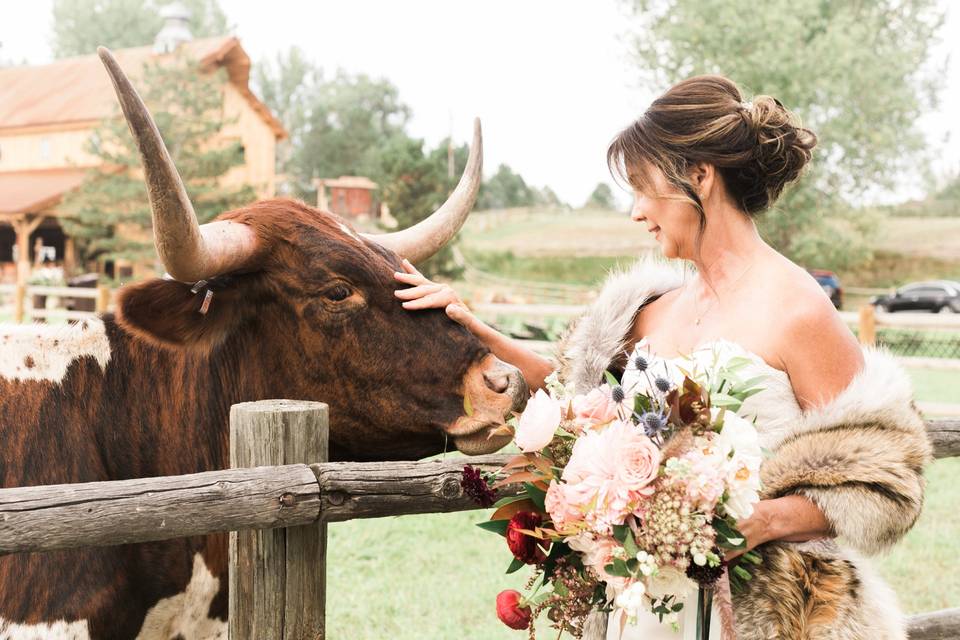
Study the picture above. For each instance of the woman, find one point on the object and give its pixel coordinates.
(847, 443)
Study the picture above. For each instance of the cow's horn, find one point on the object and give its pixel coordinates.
(189, 252)
(428, 236)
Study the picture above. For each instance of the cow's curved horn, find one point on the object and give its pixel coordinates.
(189, 252)
(422, 240)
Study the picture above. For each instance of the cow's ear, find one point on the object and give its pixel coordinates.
(180, 315)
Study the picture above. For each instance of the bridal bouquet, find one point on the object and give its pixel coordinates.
(631, 493)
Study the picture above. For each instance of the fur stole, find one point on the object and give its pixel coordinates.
(859, 458)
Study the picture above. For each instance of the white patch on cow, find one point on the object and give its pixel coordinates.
(185, 614)
(59, 630)
(350, 232)
(45, 352)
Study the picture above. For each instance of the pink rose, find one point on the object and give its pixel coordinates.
(538, 423)
(561, 511)
(609, 474)
(595, 408)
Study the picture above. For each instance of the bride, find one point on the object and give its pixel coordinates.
(844, 477)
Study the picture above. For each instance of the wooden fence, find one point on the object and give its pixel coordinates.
(24, 295)
(277, 498)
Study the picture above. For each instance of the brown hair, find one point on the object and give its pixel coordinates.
(757, 148)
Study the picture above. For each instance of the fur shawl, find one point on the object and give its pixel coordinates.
(859, 458)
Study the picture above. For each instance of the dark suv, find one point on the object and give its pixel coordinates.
(936, 296)
(831, 285)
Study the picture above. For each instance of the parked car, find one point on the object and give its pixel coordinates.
(938, 296)
(831, 285)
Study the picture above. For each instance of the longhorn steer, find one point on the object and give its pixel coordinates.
(302, 307)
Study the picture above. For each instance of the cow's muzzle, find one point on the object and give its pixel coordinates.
(492, 391)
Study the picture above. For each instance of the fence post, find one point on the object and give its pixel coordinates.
(278, 576)
(19, 302)
(868, 325)
(102, 299)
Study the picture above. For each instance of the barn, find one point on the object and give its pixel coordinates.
(49, 112)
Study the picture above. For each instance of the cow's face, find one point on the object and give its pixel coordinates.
(322, 313)
(310, 303)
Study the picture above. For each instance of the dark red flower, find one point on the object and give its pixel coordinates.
(510, 612)
(475, 486)
(524, 547)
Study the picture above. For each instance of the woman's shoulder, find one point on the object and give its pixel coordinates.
(817, 349)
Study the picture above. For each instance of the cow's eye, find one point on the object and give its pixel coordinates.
(337, 293)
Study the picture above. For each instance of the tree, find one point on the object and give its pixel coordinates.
(505, 188)
(601, 198)
(79, 26)
(854, 71)
(109, 214)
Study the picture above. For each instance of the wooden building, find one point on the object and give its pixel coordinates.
(347, 196)
(48, 113)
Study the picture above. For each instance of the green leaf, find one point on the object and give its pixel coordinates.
(620, 532)
(516, 565)
(641, 403)
(537, 495)
(742, 573)
(496, 526)
(611, 379)
(630, 545)
(618, 568)
(502, 502)
(725, 401)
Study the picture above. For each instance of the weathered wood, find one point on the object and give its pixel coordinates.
(945, 436)
(90, 514)
(278, 577)
(350, 490)
(936, 625)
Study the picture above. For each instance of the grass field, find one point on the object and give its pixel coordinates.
(581, 246)
(436, 576)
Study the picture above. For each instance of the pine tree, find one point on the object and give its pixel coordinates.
(109, 215)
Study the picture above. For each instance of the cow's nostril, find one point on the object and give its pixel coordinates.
(497, 381)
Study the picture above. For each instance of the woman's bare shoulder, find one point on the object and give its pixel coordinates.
(816, 348)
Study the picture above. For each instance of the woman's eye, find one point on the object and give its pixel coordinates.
(338, 293)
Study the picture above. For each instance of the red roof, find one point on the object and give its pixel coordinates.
(79, 90)
(33, 191)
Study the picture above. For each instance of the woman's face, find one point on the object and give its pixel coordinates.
(673, 221)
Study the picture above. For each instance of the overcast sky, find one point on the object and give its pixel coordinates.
(552, 80)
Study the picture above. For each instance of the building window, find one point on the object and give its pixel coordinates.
(44, 148)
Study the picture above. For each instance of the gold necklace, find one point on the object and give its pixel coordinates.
(699, 316)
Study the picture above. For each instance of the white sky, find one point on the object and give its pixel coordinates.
(550, 79)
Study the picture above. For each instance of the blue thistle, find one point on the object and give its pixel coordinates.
(663, 384)
(640, 363)
(618, 394)
(653, 424)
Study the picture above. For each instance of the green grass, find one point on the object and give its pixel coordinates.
(436, 576)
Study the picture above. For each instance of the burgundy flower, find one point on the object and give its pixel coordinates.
(475, 486)
(510, 612)
(524, 547)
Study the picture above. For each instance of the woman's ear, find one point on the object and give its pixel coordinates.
(703, 178)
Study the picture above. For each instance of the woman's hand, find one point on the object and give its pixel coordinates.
(790, 518)
(424, 294)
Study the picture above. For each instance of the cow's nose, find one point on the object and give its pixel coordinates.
(497, 380)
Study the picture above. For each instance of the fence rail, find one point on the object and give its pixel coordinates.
(279, 513)
(23, 301)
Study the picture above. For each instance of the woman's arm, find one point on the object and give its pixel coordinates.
(790, 518)
(424, 294)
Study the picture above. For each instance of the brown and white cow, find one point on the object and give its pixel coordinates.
(302, 307)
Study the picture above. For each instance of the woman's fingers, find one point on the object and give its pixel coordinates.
(409, 268)
(410, 278)
(417, 292)
(438, 300)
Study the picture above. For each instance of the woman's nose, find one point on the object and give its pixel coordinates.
(636, 212)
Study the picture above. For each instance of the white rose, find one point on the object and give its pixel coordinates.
(538, 423)
(743, 485)
(737, 434)
(669, 581)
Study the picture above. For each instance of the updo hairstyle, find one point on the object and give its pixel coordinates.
(757, 147)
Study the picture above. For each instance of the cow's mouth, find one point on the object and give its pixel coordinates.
(482, 441)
